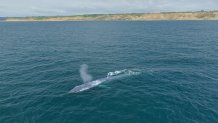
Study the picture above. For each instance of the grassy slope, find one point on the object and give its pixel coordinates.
(143, 16)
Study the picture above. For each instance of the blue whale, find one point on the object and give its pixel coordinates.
(111, 76)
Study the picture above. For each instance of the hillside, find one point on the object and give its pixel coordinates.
(134, 16)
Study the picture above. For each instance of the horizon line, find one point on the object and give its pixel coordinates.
(108, 14)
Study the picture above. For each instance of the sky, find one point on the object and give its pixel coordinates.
(21, 8)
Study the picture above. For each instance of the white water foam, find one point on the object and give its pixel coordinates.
(123, 72)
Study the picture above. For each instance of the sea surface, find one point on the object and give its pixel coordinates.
(177, 63)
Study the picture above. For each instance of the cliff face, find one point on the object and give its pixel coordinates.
(145, 16)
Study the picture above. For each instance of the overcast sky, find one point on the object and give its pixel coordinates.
(75, 7)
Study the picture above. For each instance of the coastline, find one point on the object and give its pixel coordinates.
(212, 15)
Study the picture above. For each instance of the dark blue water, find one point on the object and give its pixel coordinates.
(177, 60)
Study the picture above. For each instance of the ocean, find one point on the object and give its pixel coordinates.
(176, 62)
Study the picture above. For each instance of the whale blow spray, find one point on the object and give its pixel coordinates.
(84, 73)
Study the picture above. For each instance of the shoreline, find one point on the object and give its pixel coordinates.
(211, 15)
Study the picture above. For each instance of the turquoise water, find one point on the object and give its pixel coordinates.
(177, 61)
